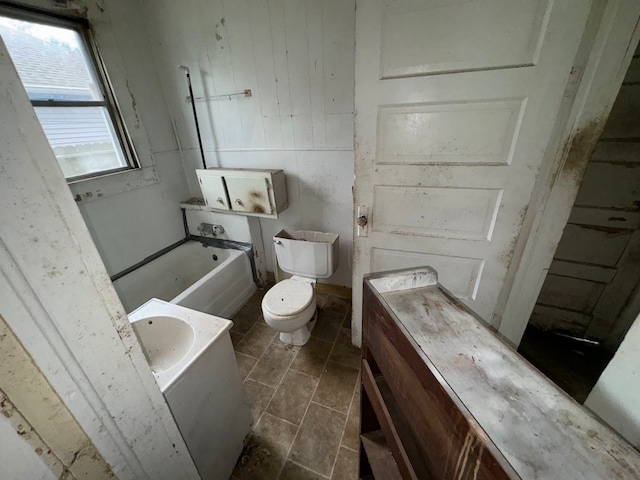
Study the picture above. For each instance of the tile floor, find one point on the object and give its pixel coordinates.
(304, 400)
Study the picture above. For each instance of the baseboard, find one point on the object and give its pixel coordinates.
(335, 290)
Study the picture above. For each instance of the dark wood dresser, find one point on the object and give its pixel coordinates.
(444, 398)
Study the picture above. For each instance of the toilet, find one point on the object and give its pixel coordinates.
(290, 306)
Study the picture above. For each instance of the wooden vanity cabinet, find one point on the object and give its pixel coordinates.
(444, 398)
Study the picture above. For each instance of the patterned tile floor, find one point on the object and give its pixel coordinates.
(304, 400)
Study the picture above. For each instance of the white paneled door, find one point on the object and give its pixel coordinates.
(456, 103)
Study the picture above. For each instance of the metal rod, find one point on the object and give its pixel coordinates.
(68, 103)
(577, 339)
(195, 115)
(245, 93)
(149, 259)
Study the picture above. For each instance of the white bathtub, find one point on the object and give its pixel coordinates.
(208, 279)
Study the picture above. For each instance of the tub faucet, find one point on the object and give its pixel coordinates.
(210, 229)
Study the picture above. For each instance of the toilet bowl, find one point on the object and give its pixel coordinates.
(290, 308)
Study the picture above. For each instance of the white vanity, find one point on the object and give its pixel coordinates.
(192, 359)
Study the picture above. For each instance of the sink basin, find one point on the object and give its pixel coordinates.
(174, 337)
(165, 340)
(193, 362)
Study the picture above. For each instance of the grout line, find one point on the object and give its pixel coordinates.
(332, 409)
(283, 419)
(266, 348)
(287, 458)
(307, 468)
(303, 373)
(273, 339)
(351, 405)
(346, 421)
(257, 420)
(263, 384)
(245, 355)
(349, 448)
(288, 368)
(251, 369)
(339, 363)
(271, 399)
(330, 342)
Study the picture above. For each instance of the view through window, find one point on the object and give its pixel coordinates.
(61, 79)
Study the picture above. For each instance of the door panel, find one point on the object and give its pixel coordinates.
(496, 34)
(469, 133)
(464, 213)
(456, 103)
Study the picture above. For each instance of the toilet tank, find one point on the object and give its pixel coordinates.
(307, 253)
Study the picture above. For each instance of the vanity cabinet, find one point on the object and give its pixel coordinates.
(244, 191)
(444, 398)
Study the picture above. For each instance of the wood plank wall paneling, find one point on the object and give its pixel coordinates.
(296, 56)
(594, 272)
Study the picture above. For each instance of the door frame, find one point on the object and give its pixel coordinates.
(608, 45)
(59, 302)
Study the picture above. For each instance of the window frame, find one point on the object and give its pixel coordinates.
(109, 102)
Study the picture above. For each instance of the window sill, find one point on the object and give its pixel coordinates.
(95, 188)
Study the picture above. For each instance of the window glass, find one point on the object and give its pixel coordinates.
(50, 60)
(82, 139)
(59, 76)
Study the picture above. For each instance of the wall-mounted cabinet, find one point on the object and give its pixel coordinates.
(244, 191)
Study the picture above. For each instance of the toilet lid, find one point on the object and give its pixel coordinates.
(288, 297)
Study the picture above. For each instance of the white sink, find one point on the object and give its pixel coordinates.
(173, 337)
(165, 340)
(192, 359)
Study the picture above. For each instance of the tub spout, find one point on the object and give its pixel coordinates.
(208, 229)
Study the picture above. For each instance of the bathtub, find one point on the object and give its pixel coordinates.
(208, 279)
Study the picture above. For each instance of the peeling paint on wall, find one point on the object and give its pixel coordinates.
(38, 415)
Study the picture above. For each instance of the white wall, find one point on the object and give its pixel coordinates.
(133, 214)
(297, 57)
(616, 396)
(56, 297)
(128, 227)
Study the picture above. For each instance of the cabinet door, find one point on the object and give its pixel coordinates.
(213, 190)
(249, 194)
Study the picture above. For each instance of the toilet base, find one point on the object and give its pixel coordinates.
(301, 336)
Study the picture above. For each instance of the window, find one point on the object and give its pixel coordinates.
(59, 68)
